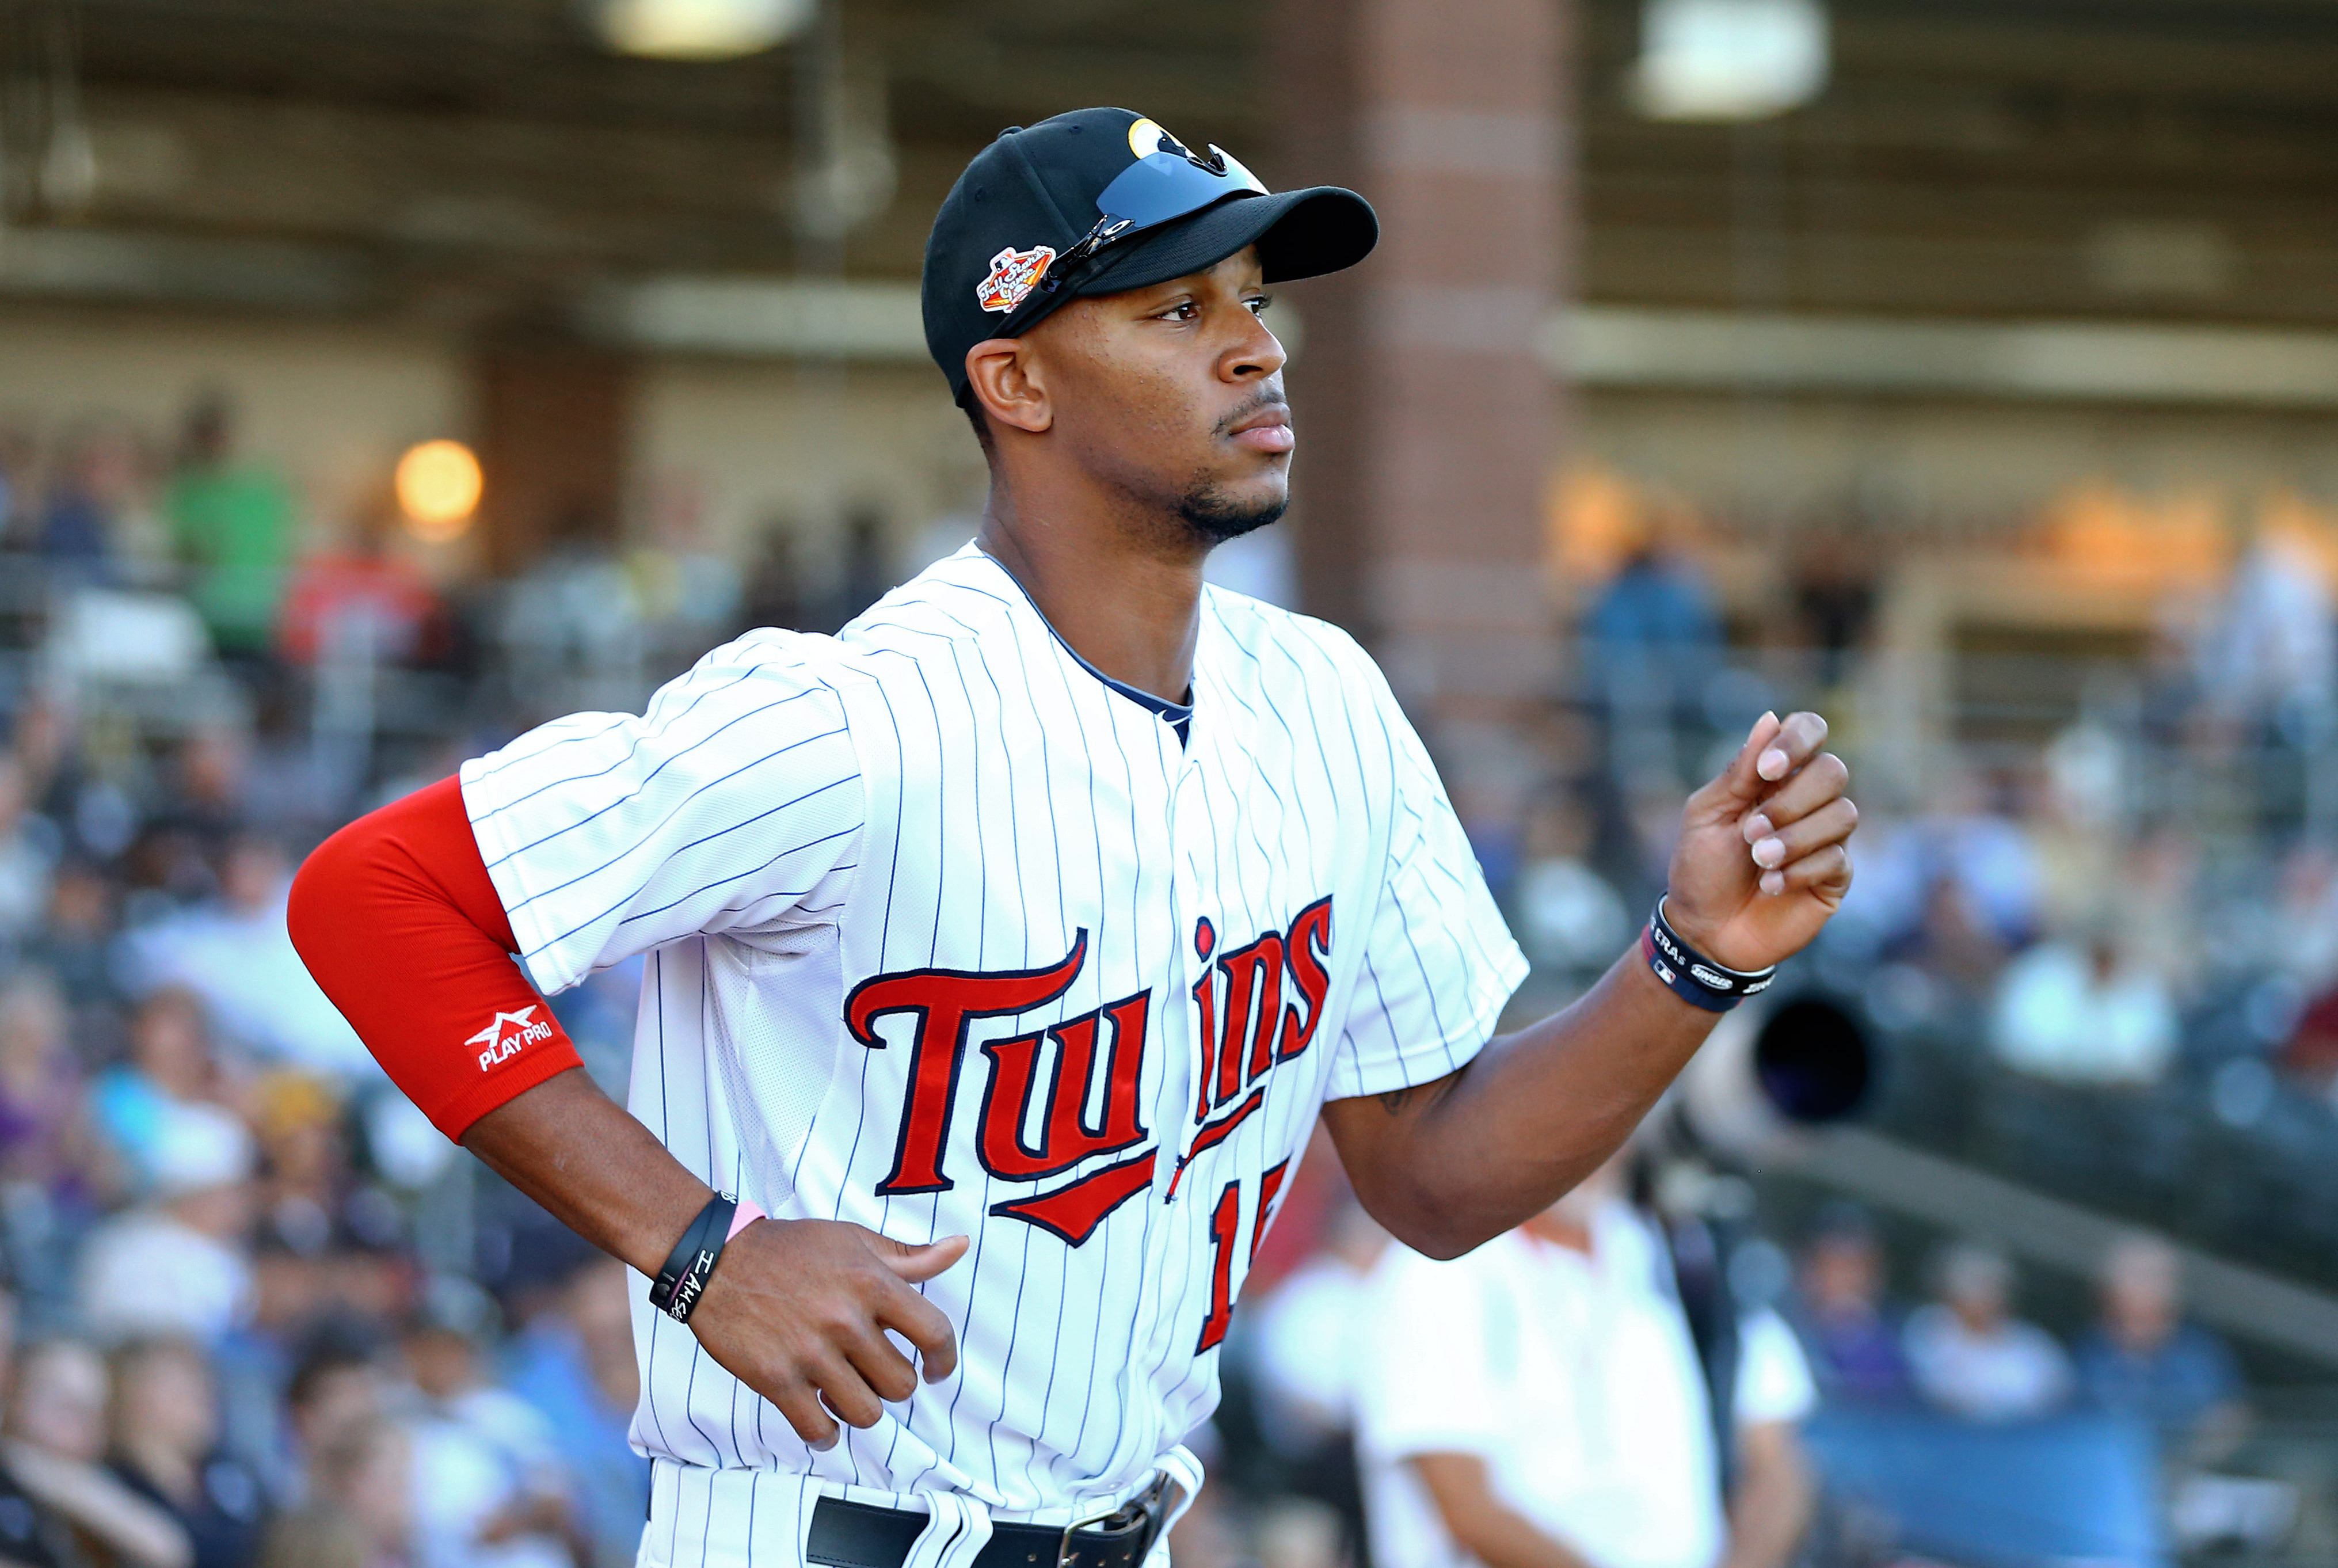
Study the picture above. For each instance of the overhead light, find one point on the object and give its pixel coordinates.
(1729, 59)
(699, 29)
(438, 485)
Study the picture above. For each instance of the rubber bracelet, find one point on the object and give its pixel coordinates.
(746, 1215)
(1693, 977)
(679, 1285)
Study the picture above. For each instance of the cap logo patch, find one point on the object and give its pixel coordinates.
(1147, 137)
(1013, 275)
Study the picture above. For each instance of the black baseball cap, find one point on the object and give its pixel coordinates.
(1100, 201)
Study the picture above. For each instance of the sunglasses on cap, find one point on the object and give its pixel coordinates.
(1167, 182)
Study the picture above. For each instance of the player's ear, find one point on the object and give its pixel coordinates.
(1008, 385)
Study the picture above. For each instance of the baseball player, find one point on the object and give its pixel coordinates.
(1003, 950)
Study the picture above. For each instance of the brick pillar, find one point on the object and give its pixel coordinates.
(1428, 426)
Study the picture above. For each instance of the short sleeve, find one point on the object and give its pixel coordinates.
(732, 804)
(1421, 1386)
(1773, 1380)
(1439, 962)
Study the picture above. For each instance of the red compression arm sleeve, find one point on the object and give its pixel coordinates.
(396, 917)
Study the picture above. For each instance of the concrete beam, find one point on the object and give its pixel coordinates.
(1610, 346)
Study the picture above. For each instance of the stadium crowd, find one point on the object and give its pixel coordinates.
(257, 1312)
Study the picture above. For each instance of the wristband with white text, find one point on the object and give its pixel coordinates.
(679, 1285)
(1693, 977)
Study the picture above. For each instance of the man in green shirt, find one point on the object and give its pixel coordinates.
(233, 526)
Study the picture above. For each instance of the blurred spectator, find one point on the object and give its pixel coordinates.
(1652, 641)
(52, 1438)
(775, 594)
(180, 1264)
(690, 596)
(2311, 1052)
(1570, 920)
(1835, 598)
(2079, 1013)
(2154, 902)
(2143, 1359)
(2274, 644)
(362, 605)
(17, 448)
(316, 1537)
(1307, 1343)
(165, 1447)
(75, 943)
(2300, 938)
(334, 1394)
(234, 525)
(171, 1071)
(572, 628)
(490, 1491)
(237, 954)
(75, 537)
(299, 1121)
(27, 856)
(46, 1140)
(1542, 1401)
(365, 1476)
(1971, 1356)
(1852, 1342)
(1955, 890)
(574, 1363)
(209, 792)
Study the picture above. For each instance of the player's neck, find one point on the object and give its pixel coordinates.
(1128, 605)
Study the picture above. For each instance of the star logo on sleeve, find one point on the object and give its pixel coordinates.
(508, 1035)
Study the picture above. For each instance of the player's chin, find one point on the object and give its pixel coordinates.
(1259, 484)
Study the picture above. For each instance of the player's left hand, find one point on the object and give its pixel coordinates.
(1763, 860)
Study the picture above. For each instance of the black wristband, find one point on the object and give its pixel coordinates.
(1693, 977)
(679, 1285)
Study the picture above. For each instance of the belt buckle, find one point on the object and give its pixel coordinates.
(1136, 1509)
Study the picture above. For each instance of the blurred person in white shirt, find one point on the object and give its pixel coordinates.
(237, 954)
(1971, 1356)
(180, 1265)
(2078, 1012)
(1309, 1335)
(1570, 920)
(490, 1490)
(1541, 1403)
(1304, 1348)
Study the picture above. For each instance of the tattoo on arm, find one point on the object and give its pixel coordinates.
(1394, 1101)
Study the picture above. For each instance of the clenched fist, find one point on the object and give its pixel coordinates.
(1763, 860)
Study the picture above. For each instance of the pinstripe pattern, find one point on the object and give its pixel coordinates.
(946, 786)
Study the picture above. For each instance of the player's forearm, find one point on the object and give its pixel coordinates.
(1453, 1164)
(1488, 1529)
(1770, 1504)
(597, 1169)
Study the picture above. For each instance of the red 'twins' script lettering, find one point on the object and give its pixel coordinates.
(945, 1003)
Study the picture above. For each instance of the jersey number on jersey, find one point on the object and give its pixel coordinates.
(1225, 1224)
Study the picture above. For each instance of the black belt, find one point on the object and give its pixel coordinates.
(863, 1535)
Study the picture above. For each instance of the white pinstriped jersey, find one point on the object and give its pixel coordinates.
(947, 933)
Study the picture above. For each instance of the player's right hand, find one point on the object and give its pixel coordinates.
(798, 1311)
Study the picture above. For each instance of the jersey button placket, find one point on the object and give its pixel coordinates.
(1193, 899)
